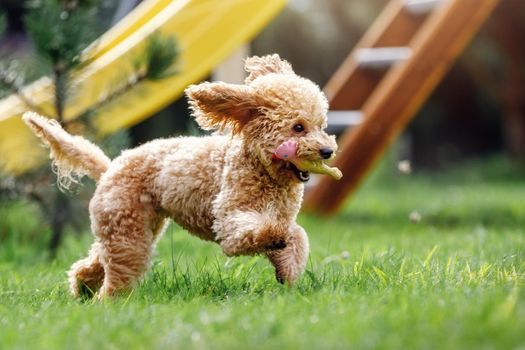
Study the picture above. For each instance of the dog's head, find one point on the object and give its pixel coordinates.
(275, 106)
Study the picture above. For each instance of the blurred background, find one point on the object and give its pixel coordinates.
(477, 111)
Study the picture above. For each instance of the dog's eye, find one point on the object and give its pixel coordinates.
(298, 128)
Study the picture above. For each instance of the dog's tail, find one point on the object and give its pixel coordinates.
(73, 156)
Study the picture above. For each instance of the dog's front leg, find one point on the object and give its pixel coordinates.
(250, 233)
(290, 261)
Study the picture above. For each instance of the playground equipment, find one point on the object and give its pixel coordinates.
(387, 78)
(377, 90)
(207, 31)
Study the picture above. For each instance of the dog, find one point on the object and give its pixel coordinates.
(241, 187)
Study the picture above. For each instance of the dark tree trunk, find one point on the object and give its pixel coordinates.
(61, 206)
(60, 215)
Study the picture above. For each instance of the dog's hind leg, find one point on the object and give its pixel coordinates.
(86, 275)
(126, 259)
(127, 243)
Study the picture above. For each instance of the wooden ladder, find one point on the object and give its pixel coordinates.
(385, 81)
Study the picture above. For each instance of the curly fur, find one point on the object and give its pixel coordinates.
(222, 188)
(72, 156)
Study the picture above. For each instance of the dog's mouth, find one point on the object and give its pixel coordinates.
(303, 176)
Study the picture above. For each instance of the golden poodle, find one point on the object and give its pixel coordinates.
(241, 187)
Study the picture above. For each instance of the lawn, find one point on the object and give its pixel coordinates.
(376, 279)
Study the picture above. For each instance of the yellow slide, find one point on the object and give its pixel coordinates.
(207, 31)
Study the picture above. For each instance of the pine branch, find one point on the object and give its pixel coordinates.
(9, 82)
(159, 58)
(156, 63)
(61, 31)
(135, 80)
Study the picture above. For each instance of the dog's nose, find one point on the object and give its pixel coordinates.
(326, 152)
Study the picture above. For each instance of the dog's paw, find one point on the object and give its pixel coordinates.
(276, 245)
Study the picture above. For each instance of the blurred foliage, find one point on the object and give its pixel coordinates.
(61, 30)
(475, 110)
(466, 116)
(159, 58)
(157, 62)
(11, 76)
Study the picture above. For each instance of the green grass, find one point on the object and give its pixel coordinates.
(455, 280)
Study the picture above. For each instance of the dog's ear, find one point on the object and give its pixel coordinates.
(257, 66)
(219, 105)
